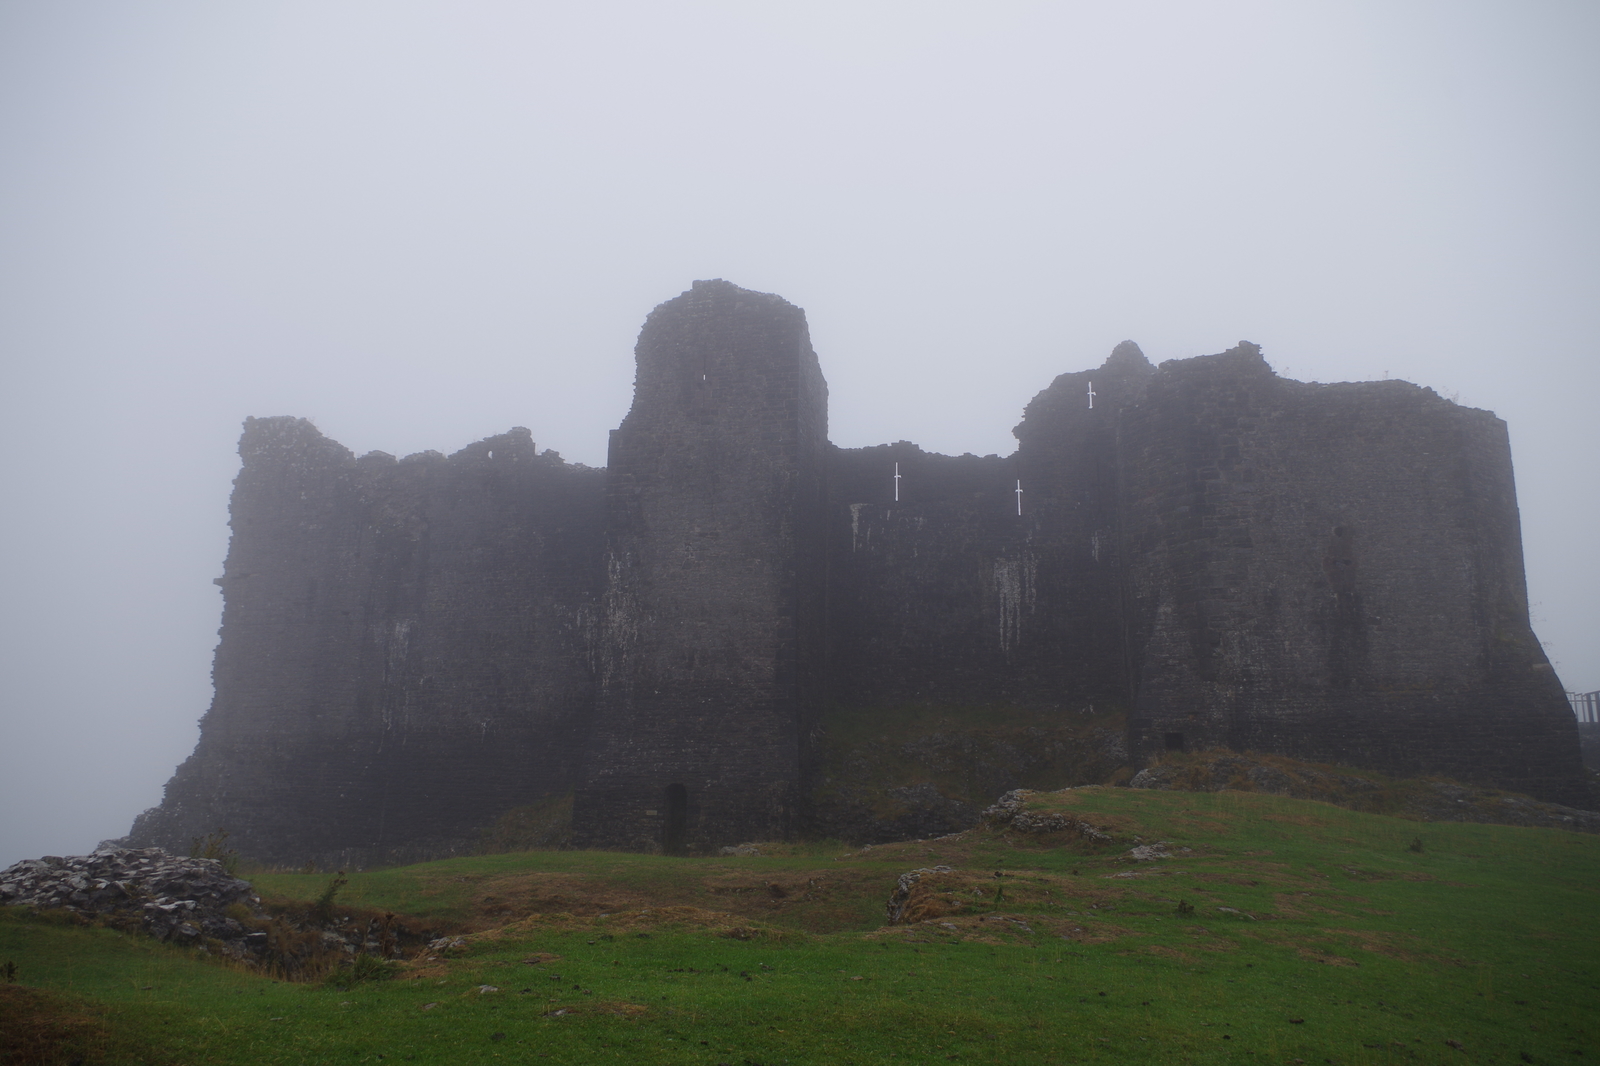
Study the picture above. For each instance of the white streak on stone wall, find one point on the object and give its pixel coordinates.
(1014, 587)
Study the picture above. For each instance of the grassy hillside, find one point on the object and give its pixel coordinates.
(1277, 930)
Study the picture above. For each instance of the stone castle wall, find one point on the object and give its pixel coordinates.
(404, 647)
(1333, 572)
(411, 648)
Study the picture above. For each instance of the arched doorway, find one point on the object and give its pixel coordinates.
(677, 829)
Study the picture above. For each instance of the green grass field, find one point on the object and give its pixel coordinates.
(1316, 935)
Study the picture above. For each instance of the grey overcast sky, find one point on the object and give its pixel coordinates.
(420, 222)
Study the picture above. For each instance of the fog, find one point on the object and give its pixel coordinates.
(420, 223)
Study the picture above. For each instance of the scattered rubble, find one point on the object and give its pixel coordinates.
(194, 901)
(446, 944)
(172, 898)
(1011, 812)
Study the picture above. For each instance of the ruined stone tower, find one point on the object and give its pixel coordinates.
(1332, 572)
(710, 662)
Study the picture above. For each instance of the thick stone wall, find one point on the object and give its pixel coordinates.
(1332, 572)
(926, 595)
(959, 593)
(711, 661)
(404, 648)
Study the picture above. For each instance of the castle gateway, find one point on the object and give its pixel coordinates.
(412, 648)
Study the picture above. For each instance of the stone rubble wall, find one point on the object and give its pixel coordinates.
(195, 902)
(1011, 812)
(172, 898)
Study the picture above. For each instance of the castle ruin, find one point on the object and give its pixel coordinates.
(411, 648)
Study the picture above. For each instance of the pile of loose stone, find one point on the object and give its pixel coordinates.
(1011, 812)
(187, 901)
(172, 898)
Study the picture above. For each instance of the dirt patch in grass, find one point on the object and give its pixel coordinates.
(1400, 946)
(632, 923)
(508, 898)
(1297, 819)
(48, 1028)
(617, 1009)
(1168, 953)
(821, 898)
(429, 969)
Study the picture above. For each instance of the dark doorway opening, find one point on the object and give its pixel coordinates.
(1174, 742)
(675, 841)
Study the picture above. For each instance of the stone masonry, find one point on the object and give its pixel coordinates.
(412, 648)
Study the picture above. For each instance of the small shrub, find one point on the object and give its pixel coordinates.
(322, 907)
(214, 845)
(295, 954)
(542, 826)
(364, 968)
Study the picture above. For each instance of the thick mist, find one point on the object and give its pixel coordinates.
(421, 223)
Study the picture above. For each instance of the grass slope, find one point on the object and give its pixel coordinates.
(1316, 935)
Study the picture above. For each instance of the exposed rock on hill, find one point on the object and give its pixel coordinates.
(172, 898)
(197, 902)
(1011, 812)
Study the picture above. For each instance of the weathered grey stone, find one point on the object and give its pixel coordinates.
(900, 898)
(118, 882)
(1010, 812)
(414, 649)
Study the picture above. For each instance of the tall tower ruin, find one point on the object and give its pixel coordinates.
(711, 632)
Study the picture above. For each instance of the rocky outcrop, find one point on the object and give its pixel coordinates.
(195, 902)
(1011, 812)
(180, 899)
(905, 887)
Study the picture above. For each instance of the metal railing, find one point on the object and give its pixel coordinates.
(1586, 705)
